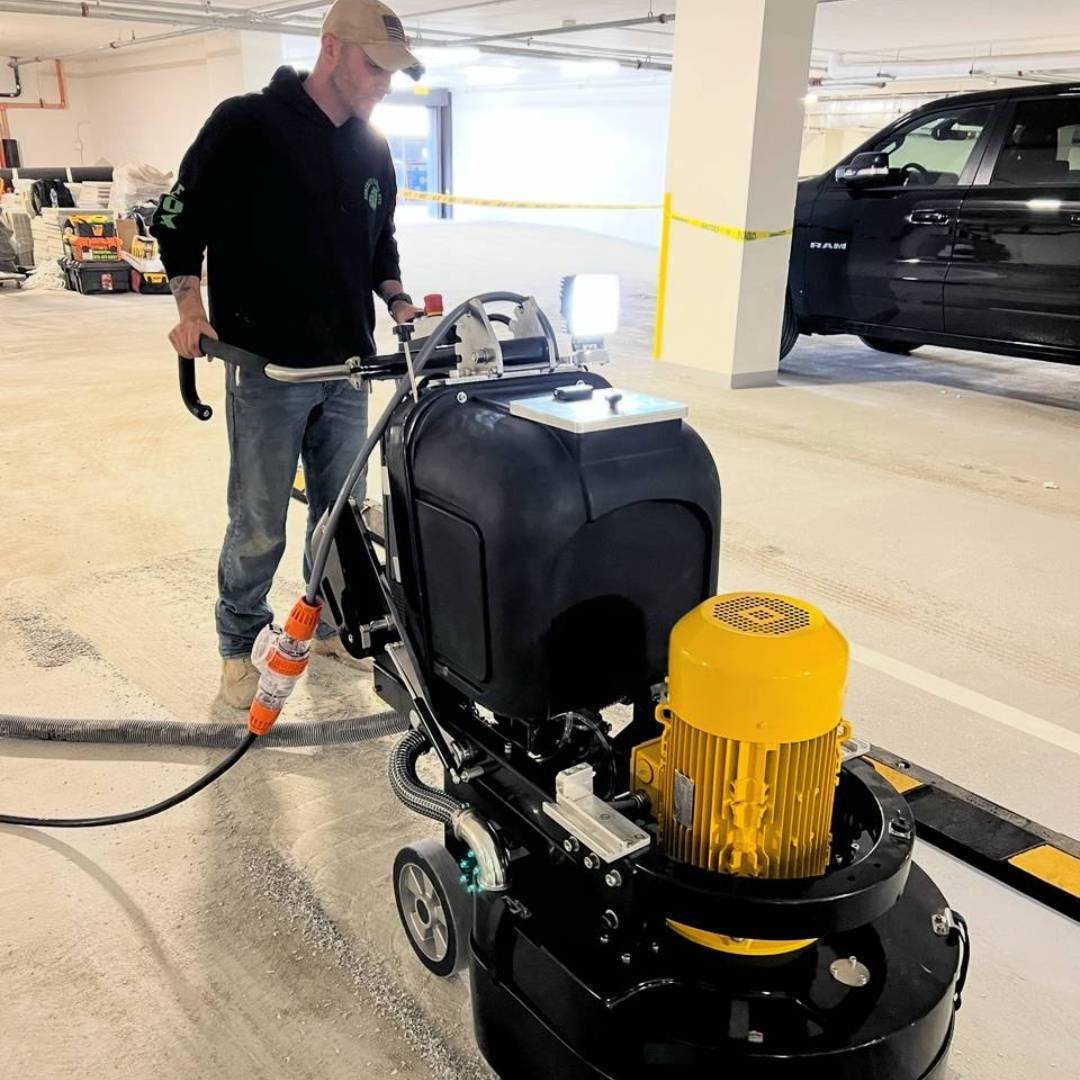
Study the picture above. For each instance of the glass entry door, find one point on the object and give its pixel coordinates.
(415, 134)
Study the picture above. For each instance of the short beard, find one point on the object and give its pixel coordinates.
(345, 96)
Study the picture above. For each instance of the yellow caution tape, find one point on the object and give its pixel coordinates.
(743, 235)
(409, 195)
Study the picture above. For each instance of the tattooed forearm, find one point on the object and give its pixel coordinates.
(183, 286)
(186, 289)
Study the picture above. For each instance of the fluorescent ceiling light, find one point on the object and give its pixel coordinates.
(435, 57)
(589, 69)
(491, 75)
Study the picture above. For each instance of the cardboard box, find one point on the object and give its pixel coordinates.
(127, 229)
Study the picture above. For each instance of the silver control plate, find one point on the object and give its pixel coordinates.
(606, 408)
(595, 824)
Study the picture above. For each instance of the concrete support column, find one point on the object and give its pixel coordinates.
(738, 84)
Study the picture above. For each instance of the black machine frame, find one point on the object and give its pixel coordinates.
(576, 971)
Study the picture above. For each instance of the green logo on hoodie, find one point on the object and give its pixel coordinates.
(171, 206)
(373, 194)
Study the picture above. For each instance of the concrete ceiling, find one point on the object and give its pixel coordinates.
(885, 29)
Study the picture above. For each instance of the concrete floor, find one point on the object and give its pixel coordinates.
(929, 504)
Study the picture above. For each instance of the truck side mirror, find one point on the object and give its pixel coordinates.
(864, 170)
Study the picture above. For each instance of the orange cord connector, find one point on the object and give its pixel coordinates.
(281, 657)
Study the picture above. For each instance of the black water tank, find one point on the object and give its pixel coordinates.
(542, 569)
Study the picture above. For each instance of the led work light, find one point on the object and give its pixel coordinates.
(590, 305)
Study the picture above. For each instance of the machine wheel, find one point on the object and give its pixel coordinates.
(433, 906)
(789, 329)
(898, 348)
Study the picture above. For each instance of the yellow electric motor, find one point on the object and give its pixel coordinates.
(742, 780)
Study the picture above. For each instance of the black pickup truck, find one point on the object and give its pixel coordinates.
(957, 225)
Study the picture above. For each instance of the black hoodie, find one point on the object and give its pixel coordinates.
(297, 220)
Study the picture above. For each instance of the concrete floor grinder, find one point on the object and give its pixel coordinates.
(664, 855)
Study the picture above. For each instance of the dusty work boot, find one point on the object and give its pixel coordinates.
(239, 681)
(331, 647)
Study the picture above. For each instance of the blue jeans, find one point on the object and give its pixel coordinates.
(271, 426)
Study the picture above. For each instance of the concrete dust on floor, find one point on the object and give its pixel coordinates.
(929, 504)
(186, 944)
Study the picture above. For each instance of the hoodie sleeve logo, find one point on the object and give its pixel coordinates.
(171, 205)
(373, 193)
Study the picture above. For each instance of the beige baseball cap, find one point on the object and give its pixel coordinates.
(377, 30)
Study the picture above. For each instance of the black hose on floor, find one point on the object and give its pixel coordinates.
(147, 811)
(204, 734)
(172, 733)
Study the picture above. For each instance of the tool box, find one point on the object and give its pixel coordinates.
(149, 281)
(94, 277)
(147, 275)
(93, 248)
(96, 226)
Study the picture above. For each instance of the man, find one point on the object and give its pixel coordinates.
(291, 194)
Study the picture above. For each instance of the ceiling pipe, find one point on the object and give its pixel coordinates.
(17, 92)
(643, 63)
(41, 103)
(176, 5)
(1002, 64)
(209, 23)
(573, 28)
(160, 18)
(450, 9)
(112, 46)
(419, 41)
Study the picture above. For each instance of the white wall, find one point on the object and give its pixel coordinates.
(823, 148)
(140, 106)
(586, 144)
(576, 144)
(48, 136)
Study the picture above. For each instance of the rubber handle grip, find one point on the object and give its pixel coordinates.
(212, 348)
(188, 390)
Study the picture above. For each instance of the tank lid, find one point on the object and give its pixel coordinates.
(582, 409)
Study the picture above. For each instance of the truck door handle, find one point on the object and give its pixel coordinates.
(1074, 219)
(929, 217)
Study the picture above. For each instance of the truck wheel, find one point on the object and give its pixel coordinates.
(789, 330)
(433, 906)
(898, 348)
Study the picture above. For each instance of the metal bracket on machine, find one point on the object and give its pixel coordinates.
(590, 820)
(478, 348)
(526, 322)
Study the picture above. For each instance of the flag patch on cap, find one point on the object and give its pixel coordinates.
(394, 30)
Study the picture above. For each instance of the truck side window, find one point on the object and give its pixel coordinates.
(935, 152)
(1043, 146)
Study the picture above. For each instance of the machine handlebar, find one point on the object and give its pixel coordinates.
(212, 348)
(521, 351)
